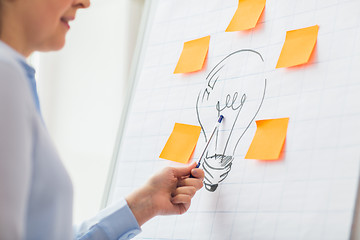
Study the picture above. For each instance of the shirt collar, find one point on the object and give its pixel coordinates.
(12, 53)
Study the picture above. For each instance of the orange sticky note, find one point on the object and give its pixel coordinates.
(268, 140)
(193, 55)
(298, 46)
(247, 15)
(181, 143)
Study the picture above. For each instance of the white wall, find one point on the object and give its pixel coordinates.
(82, 90)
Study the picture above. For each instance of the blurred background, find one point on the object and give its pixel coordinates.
(82, 92)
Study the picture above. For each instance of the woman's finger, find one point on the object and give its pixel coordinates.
(181, 199)
(183, 171)
(188, 190)
(194, 182)
(198, 173)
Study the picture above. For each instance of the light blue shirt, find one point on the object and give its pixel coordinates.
(36, 194)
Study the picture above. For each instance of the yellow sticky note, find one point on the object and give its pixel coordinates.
(181, 143)
(268, 140)
(193, 55)
(247, 15)
(298, 46)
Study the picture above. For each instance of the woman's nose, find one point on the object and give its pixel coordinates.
(82, 3)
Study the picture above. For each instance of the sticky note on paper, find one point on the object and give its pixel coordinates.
(269, 139)
(298, 46)
(247, 15)
(193, 55)
(181, 143)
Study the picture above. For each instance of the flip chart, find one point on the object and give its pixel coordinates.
(311, 192)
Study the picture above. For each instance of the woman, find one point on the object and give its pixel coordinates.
(35, 190)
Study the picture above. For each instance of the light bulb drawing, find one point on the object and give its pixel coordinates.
(235, 88)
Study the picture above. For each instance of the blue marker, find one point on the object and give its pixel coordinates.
(208, 142)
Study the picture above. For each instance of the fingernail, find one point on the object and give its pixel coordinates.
(194, 171)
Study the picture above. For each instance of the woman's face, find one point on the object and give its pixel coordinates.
(45, 23)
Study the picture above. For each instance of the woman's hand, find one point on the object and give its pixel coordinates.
(168, 192)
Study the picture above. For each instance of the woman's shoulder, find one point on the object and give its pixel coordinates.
(14, 88)
(12, 74)
(10, 67)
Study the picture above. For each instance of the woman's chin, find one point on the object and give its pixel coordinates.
(54, 45)
(58, 45)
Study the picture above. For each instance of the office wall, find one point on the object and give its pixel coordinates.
(82, 90)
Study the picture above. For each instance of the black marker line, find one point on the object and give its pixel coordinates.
(238, 51)
(198, 116)
(233, 126)
(212, 87)
(226, 161)
(262, 100)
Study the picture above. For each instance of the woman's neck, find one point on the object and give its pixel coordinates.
(13, 35)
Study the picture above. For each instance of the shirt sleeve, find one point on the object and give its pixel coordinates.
(15, 151)
(114, 222)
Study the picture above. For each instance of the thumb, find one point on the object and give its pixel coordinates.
(184, 171)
